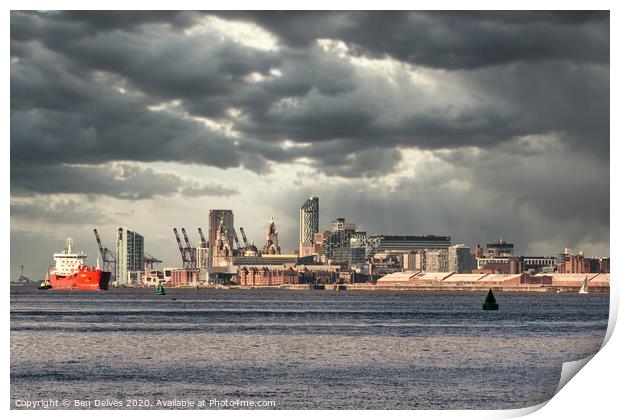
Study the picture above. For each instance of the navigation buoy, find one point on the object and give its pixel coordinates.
(489, 303)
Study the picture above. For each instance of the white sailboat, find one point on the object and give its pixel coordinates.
(584, 287)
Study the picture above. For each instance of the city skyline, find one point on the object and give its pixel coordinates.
(174, 259)
(482, 132)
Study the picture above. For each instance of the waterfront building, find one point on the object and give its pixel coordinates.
(343, 244)
(308, 223)
(382, 264)
(202, 257)
(317, 274)
(216, 217)
(405, 243)
(575, 264)
(500, 265)
(266, 259)
(604, 265)
(460, 259)
(222, 249)
(358, 244)
(251, 250)
(543, 263)
(436, 260)
(271, 240)
(412, 261)
(267, 275)
(342, 232)
(182, 277)
(314, 248)
(340, 256)
(129, 256)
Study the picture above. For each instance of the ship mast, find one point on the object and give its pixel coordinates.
(69, 245)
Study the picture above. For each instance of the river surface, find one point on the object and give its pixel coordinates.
(299, 349)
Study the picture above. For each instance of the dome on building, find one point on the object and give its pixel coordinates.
(251, 250)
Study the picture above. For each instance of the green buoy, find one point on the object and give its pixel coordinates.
(489, 303)
(159, 290)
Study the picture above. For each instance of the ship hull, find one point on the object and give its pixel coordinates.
(84, 279)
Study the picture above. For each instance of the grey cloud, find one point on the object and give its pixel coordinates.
(462, 40)
(502, 77)
(476, 201)
(64, 211)
(556, 96)
(209, 189)
(124, 181)
(60, 96)
(555, 183)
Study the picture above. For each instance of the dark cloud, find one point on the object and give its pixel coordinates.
(513, 106)
(539, 177)
(554, 96)
(125, 181)
(451, 40)
(477, 199)
(63, 84)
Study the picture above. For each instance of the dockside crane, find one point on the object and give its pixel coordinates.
(203, 241)
(189, 249)
(236, 238)
(245, 239)
(108, 258)
(150, 261)
(187, 263)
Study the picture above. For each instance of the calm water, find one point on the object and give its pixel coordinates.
(301, 349)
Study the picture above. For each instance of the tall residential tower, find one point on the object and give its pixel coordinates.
(129, 256)
(308, 223)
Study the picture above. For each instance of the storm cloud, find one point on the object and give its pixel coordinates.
(454, 117)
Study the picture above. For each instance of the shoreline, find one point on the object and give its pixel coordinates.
(363, 287)
(411, 288)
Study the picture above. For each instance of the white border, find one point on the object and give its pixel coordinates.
(591, 395)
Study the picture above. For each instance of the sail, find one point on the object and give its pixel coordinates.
(584, 286)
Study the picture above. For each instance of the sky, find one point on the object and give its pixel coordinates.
(477, 125)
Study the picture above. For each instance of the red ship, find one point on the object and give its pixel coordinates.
(70, 273)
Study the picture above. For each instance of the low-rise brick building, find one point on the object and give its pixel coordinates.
(267, 275)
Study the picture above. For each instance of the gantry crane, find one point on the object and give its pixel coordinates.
(191, 251)
(236, 238)
(185, 253)
(150, 261)
(203, 241)
(245, 239)
(188, 253)
(108, 259)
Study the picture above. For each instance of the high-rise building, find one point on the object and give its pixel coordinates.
(460, 259)
(342, 232)
(215, 218)
(358, 247)
(129, 256)
(436, 260)
(308, 222)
